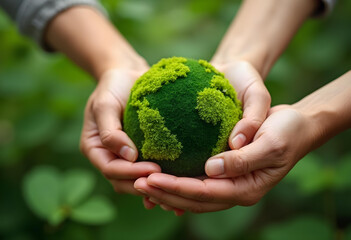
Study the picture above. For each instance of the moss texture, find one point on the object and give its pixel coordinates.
(180, 113)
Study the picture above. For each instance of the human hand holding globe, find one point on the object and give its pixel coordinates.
(180, 113)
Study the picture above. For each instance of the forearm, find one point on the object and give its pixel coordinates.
(328, 109)
(262, 30)
(87, 38)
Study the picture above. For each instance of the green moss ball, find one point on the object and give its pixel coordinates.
(180, 113)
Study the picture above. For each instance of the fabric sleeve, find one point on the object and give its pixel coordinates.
(326, 7)
(33, 16)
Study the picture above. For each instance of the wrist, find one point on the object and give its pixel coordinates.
(129, 62)
(328, 109)
(255, 54)
(262, 30)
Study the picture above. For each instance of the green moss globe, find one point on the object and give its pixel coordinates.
(180, 113)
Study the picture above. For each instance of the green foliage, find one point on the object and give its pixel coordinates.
(223, 225)
(303, 227)
(42, 192)
(96, 210)
(135, 223)
(54, 196)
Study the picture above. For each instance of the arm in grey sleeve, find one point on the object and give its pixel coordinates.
(326, 7)
(33, 16)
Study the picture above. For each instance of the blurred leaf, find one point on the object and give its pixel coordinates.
(36, 127)
(343, 179)
(310, 176)
(302, 228)
(96, 210)
(16, 83)
(42, 191)
(348, 233)
(67, 140)
(225, 224)
(76, 186)
(136, 223)
(58, 216)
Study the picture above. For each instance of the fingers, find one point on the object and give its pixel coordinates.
(255, 98)
(245, 190)
(107, 114)
(125, 186)
(256, 104)
(161, 197)
(119, 169)
(147, 204)
(260, 154)
(150, 205)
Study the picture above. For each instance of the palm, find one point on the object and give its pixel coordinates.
(102, 136)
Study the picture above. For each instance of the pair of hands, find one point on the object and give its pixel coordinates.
(265, 145)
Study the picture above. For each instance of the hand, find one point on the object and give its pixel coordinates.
(254, 96)
(246, 175)
(103, 142)
(256, 103)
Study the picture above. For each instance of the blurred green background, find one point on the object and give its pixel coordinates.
(48, 190)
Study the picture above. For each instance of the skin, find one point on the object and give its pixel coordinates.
(93, 43)
(251, 171)
(87, 38)
(247, 172)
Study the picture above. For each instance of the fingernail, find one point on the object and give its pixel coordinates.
(153, 200)
(166, 208)
(238, 141)
(141, 190)
(127, 153)
(215, 167)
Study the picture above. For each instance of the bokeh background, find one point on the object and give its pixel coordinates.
(48, 190)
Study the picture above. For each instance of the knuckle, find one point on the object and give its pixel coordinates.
(106, 137)
(255, 123)
(204, 196)
(106, 172)
(100, 105)
(238, 165)
(279, 147)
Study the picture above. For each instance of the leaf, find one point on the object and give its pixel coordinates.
(343, 179)
(136, 223)
(302, 228)
(41, 188)
(36, 127)
(96, 210)
(348, 233)
(76, 186)
(224, 224)
(310, 176)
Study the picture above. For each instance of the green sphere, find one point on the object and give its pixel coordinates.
(180, 113)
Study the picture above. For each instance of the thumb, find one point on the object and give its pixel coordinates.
(255, 156)
(255, 98)
(107, 117)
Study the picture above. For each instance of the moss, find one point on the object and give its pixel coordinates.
(165, 71)
(167, 122)
(159, 143)
(176, 102)
(219, 104)
(209, 68)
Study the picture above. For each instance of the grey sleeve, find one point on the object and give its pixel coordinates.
(32, 16)
(326, 7)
